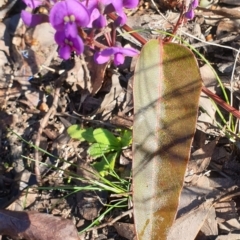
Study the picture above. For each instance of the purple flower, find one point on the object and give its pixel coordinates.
(97, 18)
(68, 15)
(32, 20)
(68, 44)
(33, 3)
(190, 13)
(118, 54)
(98, 9)
(195, 3)
(118, 6)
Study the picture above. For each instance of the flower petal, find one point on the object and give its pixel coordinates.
(90, 4)
(106, 2)
(129, 52)
(95, 14)
(109, 51)
(78, 45)
(100, 22)
(121, 20)
(194, 3)
(65, 52)
(32, 20)
(100, 59)
(80, 12)
(117, 4)
(33, 3)
(60, 37)
(130, 3)
(71, 29)
(57, 14)
(118, 59)
(190, 14)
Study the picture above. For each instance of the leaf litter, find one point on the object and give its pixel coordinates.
(97, 96)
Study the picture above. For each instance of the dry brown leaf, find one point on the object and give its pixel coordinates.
(181, 230)
(201, 158)
(229, 226)
(110, 100)
(230, 236)
(33, 51)
(97, 71)
(210, 227)
(125, 230)
(191, 197)
(76, 76)
(36, 226)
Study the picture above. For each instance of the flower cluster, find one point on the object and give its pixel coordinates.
(190, 13)
(68, 16)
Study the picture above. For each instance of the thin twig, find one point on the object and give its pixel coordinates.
(111, 222)
(215, 43)
(218, 41)
(229, 13)
(157, 9)
(44, 122)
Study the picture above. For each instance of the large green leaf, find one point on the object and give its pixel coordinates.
(166, 89)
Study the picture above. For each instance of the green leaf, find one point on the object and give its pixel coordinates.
(106, 164)
(81, 134)
(126, 138)
(167, 86)
(103, 136)
(97, 150)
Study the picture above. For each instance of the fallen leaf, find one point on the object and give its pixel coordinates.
(97, 71)
(210, 227)
(111, 98)
(125, 230)
(165, 106)
(36, 226)
(181, 230)
(200, 160)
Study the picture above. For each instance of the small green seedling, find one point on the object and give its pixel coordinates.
(104, 145)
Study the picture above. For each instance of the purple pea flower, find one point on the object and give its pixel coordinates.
(68, 45)
(190, 13)
(118, 6)
(98, 9)
(97, 12)
(33, 3)
(68, 15)
(32, 20)
(118, 54)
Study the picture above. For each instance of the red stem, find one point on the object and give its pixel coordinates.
(130, 30)
(221, 103)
